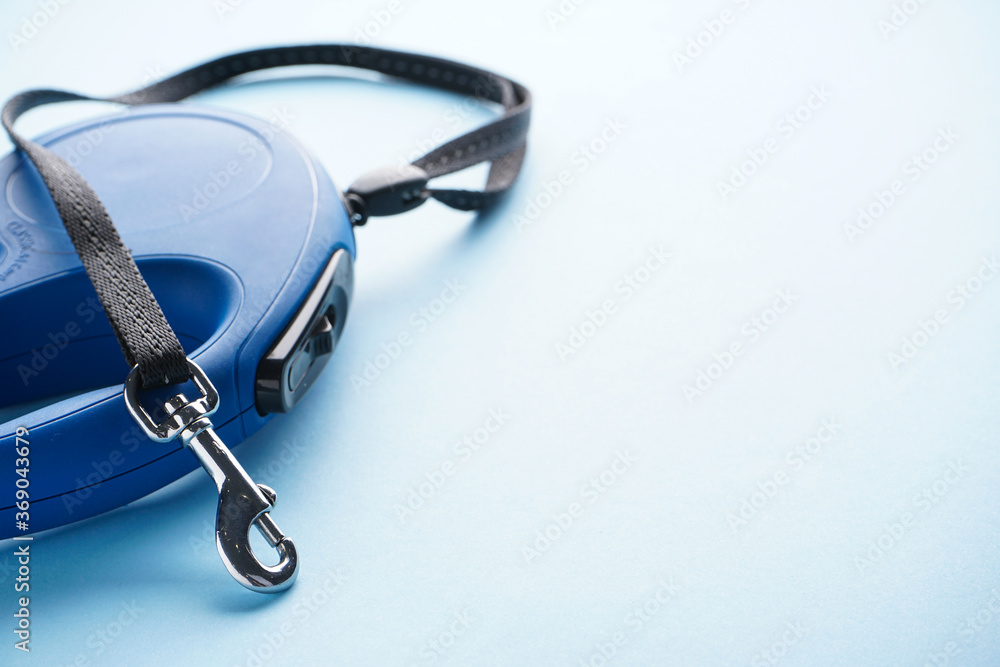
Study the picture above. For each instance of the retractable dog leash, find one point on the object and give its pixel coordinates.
(249, 249)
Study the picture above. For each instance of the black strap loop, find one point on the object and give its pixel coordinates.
(142, 330)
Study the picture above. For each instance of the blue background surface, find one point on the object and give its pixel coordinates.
(654, 568)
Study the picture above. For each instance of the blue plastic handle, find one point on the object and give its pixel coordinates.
(231, 222)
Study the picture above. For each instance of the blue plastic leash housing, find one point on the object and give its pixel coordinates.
(239, 233)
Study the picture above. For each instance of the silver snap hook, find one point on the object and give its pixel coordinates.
(242, 503)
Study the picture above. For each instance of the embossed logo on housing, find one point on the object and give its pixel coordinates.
(23, 244)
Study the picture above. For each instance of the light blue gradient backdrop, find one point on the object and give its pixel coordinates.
(346, 458)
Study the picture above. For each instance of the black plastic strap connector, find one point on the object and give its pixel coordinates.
(391, 190)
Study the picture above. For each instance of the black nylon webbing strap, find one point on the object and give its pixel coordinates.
(142, 330)
(145, 336)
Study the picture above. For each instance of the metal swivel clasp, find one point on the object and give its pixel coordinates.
(242, 503)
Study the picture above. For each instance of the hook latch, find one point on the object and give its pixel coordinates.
(242, 503)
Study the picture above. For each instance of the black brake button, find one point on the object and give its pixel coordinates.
(296, 358)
